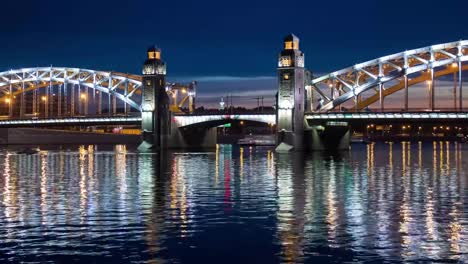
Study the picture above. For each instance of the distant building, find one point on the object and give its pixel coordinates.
(222, 104)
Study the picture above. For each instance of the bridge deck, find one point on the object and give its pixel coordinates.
(445, 116)
(71, 121)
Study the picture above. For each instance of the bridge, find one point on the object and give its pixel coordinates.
(311, 112)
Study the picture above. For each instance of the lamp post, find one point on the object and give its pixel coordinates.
(84, 99)
(44, 100)
(8, 102)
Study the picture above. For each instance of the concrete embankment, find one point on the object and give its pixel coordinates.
(14, 136)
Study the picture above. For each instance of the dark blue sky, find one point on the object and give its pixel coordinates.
(212, 38)
(204, 39)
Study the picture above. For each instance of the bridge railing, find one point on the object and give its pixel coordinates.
(396, 110)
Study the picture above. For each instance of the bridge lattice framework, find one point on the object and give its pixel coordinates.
(66, 92)
(369, 82)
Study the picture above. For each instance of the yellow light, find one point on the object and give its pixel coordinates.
(429, 82)
(7, 100)
(448, 128)
(454, 65)
(184, 91)
(420, 128)
(241, 122)
(83, 96)
(43, 98)
(404, 127)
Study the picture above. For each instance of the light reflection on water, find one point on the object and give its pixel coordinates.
(392, 202)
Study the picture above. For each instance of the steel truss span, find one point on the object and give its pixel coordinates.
(65, 86)
(119, 85)
(389, 74)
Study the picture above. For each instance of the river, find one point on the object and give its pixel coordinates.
(378, 202)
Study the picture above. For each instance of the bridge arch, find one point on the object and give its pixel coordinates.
(350, 83)
(216, 120)
(123, 86)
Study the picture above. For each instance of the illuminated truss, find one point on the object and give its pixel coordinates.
(120, 85)
(125, 87)
(182, 95)
(423, 64)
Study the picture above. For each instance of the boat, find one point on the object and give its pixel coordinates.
(361, 140)
(257, 140)
(28, 151)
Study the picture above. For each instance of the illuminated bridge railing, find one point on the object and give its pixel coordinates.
(71, 121)
(389, 116)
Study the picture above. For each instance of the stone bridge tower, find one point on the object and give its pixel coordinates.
(291, 95)
(156, 120)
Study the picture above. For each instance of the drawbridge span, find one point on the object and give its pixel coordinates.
(370, 82)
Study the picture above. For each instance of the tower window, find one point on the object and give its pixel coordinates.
(285, 61)
(154, 55)
(288, 45)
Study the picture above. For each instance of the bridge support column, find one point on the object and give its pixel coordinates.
(192, 137)
(406, 92)
(460, 84)
(330, 136)
(156, 121)
(431, 91)
(290, 101)
(381, 97)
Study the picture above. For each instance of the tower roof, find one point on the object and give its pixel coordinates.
(291, 37)
(154, 49)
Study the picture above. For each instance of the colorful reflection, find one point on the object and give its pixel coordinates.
(381, 202)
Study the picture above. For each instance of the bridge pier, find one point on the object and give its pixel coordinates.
(192, 137)
(294, 133)
(291, 94)
(332, 137)
(156, 117)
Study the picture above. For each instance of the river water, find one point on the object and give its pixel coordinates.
(385, 202)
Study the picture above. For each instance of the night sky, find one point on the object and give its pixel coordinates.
(214, 41)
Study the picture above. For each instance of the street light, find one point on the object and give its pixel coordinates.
(43, 98)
